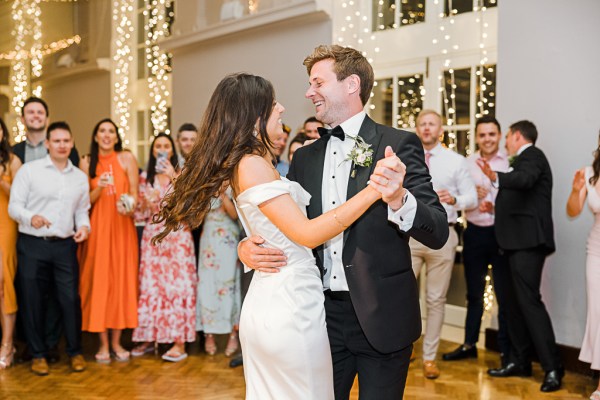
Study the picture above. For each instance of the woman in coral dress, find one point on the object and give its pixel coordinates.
(586, 184)
(167, 303)
(218, 309)
(109, 258)
(9, 164)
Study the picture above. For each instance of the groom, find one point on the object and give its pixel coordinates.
(371, 296)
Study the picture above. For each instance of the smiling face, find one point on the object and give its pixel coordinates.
(335, 101)
(274, 124)
(35, 117)
(186, 140)
(311, 129)
(487, 137)
(429, 130)
(106, 137)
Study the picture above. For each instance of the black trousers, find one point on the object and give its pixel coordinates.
(43, 264)
(480, 250)
(529, 324)
(380, 376)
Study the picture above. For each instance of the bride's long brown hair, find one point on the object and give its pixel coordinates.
(227, 133)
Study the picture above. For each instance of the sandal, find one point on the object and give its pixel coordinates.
(141, 349)
(102, 357)
(7, 355)
(122, 355)
(595, 395)
(232, 345)
(209, 344)
(174, 356)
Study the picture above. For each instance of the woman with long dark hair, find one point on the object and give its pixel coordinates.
(109, 258)
(167, 302)
(586, 184)
(282, 326)
(9, 164)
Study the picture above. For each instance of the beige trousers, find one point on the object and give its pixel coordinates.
(439, 264)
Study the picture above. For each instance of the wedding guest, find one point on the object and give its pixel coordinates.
(186, 138)
(109, 259)
(50, 202)
(167, 303)
(296, 143)
(9, 165)
(218, 308)
(585, 184)
(279, 144)
(456, 191)
(311, 127)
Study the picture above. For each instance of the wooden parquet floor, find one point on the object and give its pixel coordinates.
(210, 378)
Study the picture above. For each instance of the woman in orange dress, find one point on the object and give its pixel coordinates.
(9, 164)
(109, 258)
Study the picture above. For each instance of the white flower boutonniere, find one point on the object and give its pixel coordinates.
(362, 153)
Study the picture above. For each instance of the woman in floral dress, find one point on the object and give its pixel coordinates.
(167, 303)
(218, 306)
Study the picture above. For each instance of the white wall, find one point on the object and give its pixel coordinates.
(275, 52)
(548, 60)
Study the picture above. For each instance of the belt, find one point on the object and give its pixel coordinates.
(48, 238)
(338, 295)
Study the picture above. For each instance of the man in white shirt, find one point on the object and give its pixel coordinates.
(480, 247)
(50, 202)
(455, 188)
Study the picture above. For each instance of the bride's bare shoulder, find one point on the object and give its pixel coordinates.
(254, 170)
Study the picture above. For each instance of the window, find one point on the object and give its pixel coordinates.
(411, 94)
(391, 14)
(382, 101)
(453, 7)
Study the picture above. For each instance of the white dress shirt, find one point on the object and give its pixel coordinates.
(62, 197)
(336, 173)
(499, 162)
(449, 171)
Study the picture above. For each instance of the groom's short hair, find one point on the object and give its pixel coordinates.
(347, 61)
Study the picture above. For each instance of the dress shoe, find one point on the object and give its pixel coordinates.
(430, 370)
(553, 380)
(78, 363)
(511, 369)
(461, 353)
(39, 366)
(236, 362)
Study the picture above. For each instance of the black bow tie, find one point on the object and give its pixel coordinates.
(338, 132)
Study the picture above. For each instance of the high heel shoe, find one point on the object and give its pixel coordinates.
(209, 344)
(232, 345)
(7, 355)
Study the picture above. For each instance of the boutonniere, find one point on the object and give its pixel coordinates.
(361, 154)
(512, 159)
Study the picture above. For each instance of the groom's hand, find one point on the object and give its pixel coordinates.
(388, 179)
(263, 259)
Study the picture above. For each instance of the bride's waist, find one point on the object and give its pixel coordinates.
(294, 268)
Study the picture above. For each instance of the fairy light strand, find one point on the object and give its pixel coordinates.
(46, 49)
(157, 28)
(123, 59)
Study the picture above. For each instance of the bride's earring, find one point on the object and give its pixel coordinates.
(255, 132)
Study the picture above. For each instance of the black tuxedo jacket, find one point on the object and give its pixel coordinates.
(524, 204)
(19, 150)
(376, 254)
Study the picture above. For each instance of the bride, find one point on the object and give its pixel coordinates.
(282, 326)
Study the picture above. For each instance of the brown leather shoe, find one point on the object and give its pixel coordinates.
(39, 366)
(430, 370)
(77, 363)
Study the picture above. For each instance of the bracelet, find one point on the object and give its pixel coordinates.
(338, 221)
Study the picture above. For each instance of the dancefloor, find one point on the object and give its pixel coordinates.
(210, 378)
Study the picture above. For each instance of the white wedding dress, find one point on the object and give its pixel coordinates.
(282, 326)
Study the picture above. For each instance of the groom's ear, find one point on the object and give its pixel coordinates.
(353, 82)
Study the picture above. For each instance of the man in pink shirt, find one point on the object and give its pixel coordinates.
(480, 245)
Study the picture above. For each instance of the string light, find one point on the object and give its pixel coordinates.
(157, 28)
(252, 6)
(27, 61)
(122, 17)
(488, 294)
(46, 49)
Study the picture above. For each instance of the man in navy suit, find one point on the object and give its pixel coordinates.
(524, 230)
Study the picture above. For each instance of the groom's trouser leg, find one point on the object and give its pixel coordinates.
(381, 376)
